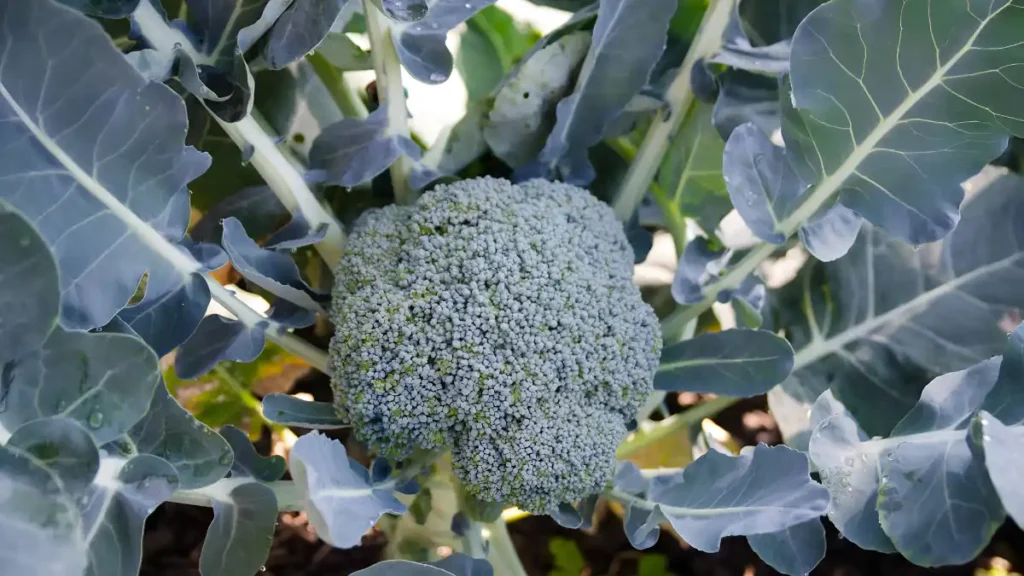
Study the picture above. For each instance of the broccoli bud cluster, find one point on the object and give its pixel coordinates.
(498, 321)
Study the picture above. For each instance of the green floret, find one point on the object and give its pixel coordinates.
(500, 322)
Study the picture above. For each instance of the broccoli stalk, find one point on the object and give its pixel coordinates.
(499, 322)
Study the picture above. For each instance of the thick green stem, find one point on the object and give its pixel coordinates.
(671, 425)
(502, 554)
(666, 122)
(391, 94)
(343, 94)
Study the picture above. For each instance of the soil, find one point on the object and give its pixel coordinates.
(174, 536)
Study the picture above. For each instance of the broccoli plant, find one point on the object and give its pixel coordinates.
(188, 187)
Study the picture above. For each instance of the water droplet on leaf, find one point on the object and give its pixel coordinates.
(95, 420)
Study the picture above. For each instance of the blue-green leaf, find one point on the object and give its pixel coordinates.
(938, 450)
(878, 324)
(217, 338)
(628, 39)
(115, 509)
(300, 29)
(199, 455)
(795, 550)
(746, 97)
(897, 103)
(700, 264)
(39, 523)
(353, 150)
(273, 271)
(1003, 445)
(764, 489)
(250, 463)
(763, 186)
(421, 43)
(291, 411)
(737, 363)
(931, 447)
(848, 463)
(340, 500)
(64, 447)
(103, 381)
(109, 210)
(29, 293)
(242, 531)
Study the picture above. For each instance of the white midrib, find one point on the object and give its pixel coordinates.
(821, 348)
(833, 182)
(669, 366)
(184, 264)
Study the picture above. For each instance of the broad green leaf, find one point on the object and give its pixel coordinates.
(421, 43)
(403, 10)
(738, 363)
(64, 447)
(242, 531)
(198, 454)
(848, 464)
(897, 103)
(524, 108)
(29, 290)
(340, 500)
(690, 176)
(795, 550)
(250, 463)
(291, 411)
(629, 37)
(927, 481)
(39, 523)
(877, 324)
(746, 97)
(115, 509)
(343, 53)
(103, 381)
(299, 29)
(1002, 428)
(764, 489)
(352, 151)
(491, 45)
(960, 519)
(96, 161)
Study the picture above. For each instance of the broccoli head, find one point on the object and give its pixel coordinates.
(498, 321)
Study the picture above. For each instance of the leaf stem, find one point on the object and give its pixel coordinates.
(280, 174)
(667, 121)
(659, 430)
(289, 495)
(391, 94)
(343, 94)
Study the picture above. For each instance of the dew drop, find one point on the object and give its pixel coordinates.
(885, 480)
(263, 568)
(844, 482)
(24, 241)
(849, 461)
(890, 456)
(986, 438)
(437, 77)
(95, 420)
(863, 457)
(468, 5)
(984, 421)
(824, 474)
(62, 405)
(225, 458)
